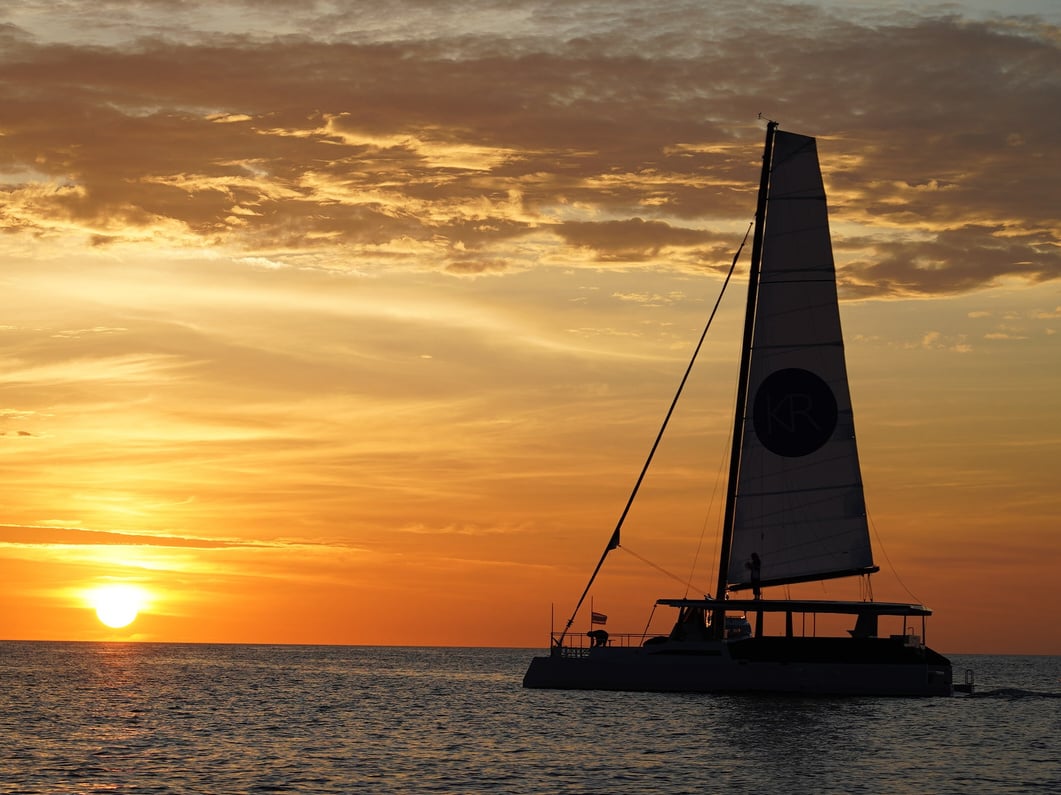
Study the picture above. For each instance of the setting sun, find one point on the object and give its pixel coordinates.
(117, 605)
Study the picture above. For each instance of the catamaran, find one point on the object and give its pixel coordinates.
(794, 508)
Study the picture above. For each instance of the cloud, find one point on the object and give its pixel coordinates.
(632, 240)
(477, 267)
(953, 261)
(446, 147)
(936, 340)
(22, 535)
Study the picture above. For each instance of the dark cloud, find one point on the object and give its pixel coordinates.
(944, 128)
(632, 240)
(954, 261)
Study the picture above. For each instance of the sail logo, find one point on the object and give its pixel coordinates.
(794, 412)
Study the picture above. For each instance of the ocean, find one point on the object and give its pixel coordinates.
(191, 718)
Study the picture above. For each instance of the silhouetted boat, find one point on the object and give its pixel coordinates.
(794, 507)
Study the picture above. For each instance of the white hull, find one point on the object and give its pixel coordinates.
(709, 667)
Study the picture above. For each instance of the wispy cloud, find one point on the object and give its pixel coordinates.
(46, 536)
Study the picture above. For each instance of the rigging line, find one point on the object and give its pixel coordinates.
(723, 467)
(696, 555)
(614, 540)
(648, 623)
(713, 508)
(662, 570)
(884, 550)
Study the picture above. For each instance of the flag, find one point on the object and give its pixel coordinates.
(598, 618)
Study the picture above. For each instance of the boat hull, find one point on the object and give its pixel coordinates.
(834, 667)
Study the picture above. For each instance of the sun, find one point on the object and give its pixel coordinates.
(117, 606)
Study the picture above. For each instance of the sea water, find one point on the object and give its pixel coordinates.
(176, 718)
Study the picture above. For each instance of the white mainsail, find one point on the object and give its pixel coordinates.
(799, 511)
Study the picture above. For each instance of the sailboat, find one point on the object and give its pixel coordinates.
(794, 509)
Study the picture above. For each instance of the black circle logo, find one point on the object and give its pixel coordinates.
(794, 412)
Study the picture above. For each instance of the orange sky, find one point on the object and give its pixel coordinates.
(353, 323)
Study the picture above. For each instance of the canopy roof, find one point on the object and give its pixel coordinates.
(802, 606)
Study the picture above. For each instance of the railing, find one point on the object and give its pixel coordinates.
(909, 639)
(578, 644)
(968, 685)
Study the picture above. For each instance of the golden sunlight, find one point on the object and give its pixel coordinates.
(117, 605)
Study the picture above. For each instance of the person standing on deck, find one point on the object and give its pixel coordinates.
(755, 566)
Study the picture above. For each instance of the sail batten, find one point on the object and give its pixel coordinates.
(825, 275)
(809, 490)
(782, 347)
(799, 511)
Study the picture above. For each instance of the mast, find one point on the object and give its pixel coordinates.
(719, 616)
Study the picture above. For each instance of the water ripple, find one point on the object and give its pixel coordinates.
(146, 718)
